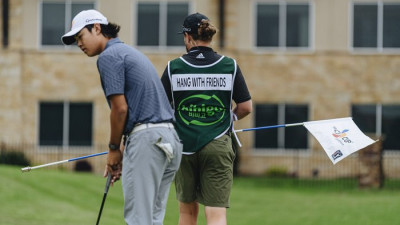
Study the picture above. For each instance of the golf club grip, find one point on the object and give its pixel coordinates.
(108, 182)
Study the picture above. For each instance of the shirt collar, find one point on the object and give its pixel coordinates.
(113, 41)
(200, 48)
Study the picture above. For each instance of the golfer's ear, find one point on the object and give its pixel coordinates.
(97, 28)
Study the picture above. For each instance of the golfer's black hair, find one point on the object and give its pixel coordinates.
(109, 30)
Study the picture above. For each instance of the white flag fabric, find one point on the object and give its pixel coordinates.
(338, 137)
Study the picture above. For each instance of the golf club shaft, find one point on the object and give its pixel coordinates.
(108, 182)
(27, 169)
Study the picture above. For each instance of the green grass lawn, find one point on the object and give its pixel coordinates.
(44, 197)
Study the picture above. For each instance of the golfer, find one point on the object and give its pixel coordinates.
(201, 85)
(139, 111)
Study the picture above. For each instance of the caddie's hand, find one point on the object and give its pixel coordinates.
(114, 165)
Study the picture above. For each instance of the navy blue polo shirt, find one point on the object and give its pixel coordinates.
(125, 70)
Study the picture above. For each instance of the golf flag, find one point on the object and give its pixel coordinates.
(338, 137)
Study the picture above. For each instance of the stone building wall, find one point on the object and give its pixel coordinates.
(329, 81)
(58, 77)
(10, 94)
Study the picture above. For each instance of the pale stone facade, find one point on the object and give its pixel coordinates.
(329, 77)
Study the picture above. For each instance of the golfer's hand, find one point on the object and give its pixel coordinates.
(114, 165)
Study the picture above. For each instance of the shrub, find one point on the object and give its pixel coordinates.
(13, 158)
(277, 172)
(83, 166)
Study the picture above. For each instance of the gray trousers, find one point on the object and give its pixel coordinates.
(151, 158)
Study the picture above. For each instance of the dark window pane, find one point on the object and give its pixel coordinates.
(364, 116)
(296, 137)
(78, 7)
(266, 115)
(53, 23)
(148, 24)
(391, 26)
(51, 124)
(176, 14)
(390, 127)
(297, 28)
(267, 26)
(80, 124)
(365, 29)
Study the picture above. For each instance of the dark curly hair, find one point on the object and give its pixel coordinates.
(205, 32)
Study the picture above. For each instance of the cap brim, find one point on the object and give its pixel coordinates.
(69, 38)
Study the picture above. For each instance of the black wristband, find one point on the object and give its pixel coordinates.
(113, 147)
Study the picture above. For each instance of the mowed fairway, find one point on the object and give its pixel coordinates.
(44, 197)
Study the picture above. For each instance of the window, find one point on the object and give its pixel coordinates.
(379, 120)
(65, 124)
(159, 23)
(375, 26)
(56, 19)
(284, 138)
(283, 25)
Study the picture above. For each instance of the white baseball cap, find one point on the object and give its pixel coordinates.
(82, 19)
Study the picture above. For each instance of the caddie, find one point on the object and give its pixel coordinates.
(201, 86)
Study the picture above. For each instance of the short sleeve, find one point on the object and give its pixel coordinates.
(112, 74)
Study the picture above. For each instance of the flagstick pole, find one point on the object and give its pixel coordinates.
(27, 169)
(270, 127)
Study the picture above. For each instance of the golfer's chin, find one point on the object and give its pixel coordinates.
(90, 54)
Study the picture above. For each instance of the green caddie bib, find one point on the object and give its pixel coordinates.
(202, 99)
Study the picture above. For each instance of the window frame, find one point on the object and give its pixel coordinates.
(162, 29)
(281, 132)
(282, 27)
(378, 119)
(379, 49)
(67, 23)
(66, 125)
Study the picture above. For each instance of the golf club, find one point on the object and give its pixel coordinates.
(108, 182)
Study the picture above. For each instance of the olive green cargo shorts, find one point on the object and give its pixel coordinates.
(206, 176)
